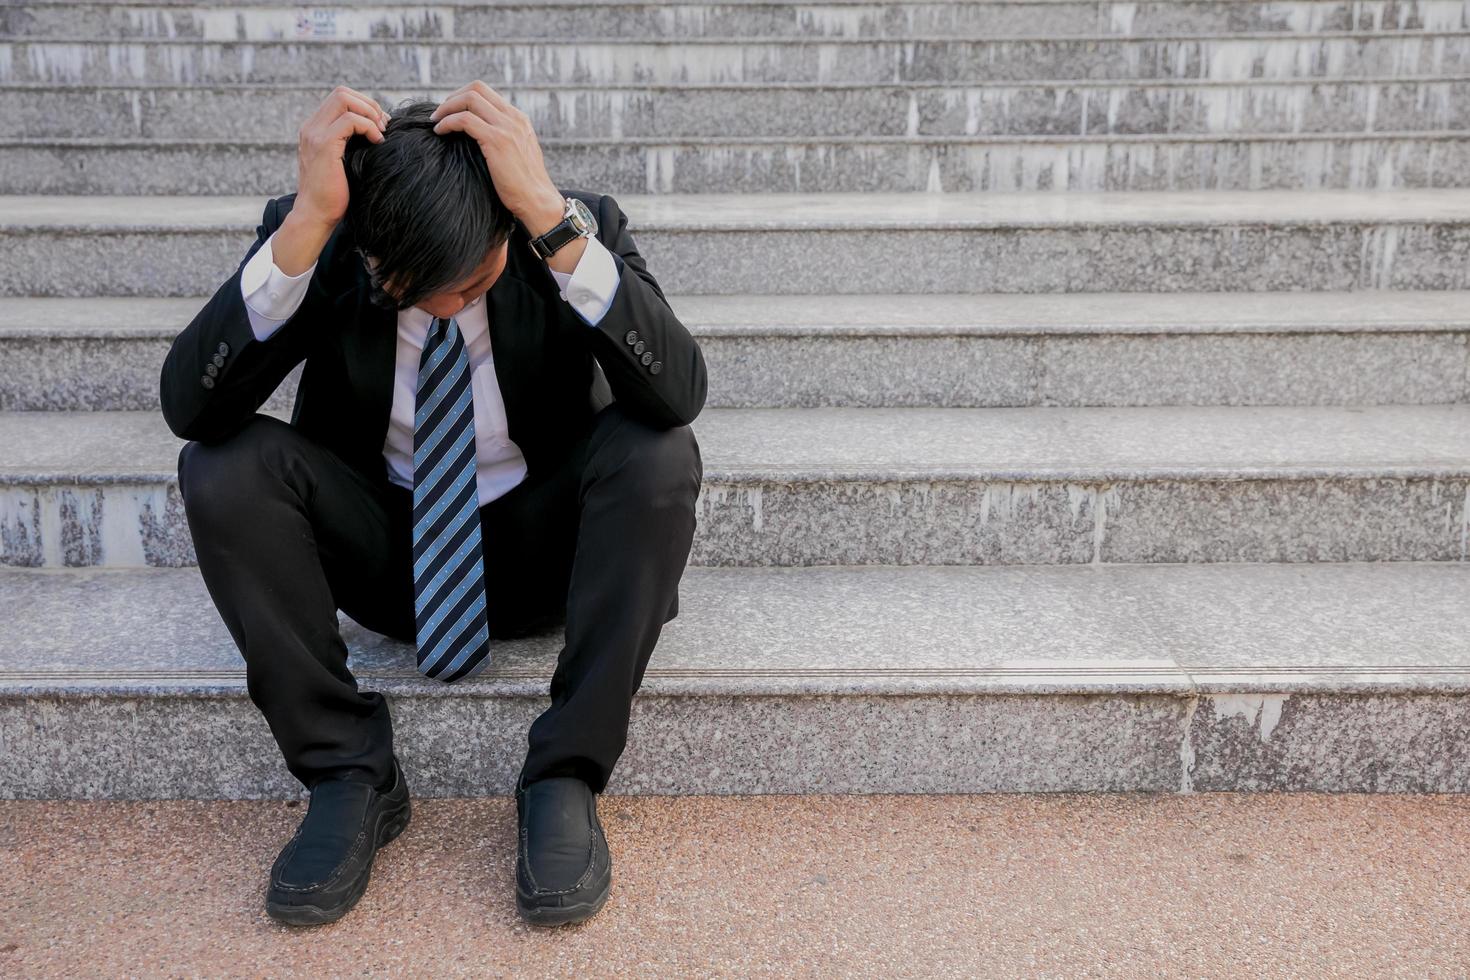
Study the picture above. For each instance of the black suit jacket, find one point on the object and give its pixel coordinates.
(544, 352)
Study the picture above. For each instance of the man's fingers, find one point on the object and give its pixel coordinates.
(493, 97)
(471, 102)
(448, 99)
(467, 122)
(480, 97)
(340, 101)
(343, 99)
(365, 108)
(352, 122)
(371, 103)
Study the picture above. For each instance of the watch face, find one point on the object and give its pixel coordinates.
(582, 214)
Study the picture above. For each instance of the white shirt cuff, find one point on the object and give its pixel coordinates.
(591, 286)
(271, 296)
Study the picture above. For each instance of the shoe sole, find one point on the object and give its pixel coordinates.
(565, 914)
(391, 823)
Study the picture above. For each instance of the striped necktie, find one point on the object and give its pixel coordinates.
(448, 574)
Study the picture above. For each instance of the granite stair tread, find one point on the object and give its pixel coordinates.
(935, 314)
(758, 57)
(1335, 677)
(739, 244)
(276, 19)
(825, 211)
(839, 443)
(1332, 627)
(1347, 158)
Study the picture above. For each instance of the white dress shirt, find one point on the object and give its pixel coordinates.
(271, 297)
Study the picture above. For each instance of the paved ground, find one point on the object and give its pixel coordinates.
(1060, 885)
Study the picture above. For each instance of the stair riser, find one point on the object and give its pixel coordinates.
(67, 374)
(1067, 259)
(265, 22)
(150, 745)
(780, 522)
(390, 63)
(1229, 165)
(801, 115)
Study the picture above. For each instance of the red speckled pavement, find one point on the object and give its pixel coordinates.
(997, 884)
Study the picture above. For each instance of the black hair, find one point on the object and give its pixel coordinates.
(422, 205)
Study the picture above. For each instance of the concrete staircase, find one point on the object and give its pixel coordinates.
(1089, 402)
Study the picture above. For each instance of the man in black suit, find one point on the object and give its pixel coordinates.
(401, 269)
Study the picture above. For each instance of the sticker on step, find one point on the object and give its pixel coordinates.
(316, 23)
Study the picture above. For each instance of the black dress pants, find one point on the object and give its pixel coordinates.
(287, 534)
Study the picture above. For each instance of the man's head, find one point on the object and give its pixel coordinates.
(424, 214)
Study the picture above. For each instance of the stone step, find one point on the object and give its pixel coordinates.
(278, 20)
(849, 165)
(943, 57)
(266, 117)
(733, 244)
(944, 350)
(902, 486)
(1166, 678)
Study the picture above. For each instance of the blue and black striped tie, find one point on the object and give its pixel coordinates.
(448, 569)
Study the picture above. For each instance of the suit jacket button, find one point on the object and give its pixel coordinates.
(207, 381)
(211, 370)
(219, 360)
(223, 349)
(631, 337)
(647, 357)
(638, 347)
(655, 367)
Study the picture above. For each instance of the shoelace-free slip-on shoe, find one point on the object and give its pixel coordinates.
(324, 868)
(563, 867)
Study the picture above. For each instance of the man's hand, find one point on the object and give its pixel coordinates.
(511, 149)
(321, 181)
(321, 184)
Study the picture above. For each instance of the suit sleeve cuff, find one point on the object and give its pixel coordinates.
(591, 286)
(271, 297)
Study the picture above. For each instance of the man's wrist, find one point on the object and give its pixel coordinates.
(545, 215)
(299, 242)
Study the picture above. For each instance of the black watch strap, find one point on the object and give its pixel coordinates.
(546, 245)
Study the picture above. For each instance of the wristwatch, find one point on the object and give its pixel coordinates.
(577, 222)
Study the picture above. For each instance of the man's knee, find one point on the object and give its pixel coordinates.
(226, 471)
(668, 460)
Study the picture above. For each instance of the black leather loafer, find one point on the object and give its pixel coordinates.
(563, 868)
(324, 868)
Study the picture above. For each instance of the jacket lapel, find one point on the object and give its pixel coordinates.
(370, 352)
(515, 313)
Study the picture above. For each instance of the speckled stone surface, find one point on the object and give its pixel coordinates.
(947, 350)
(628, 60)
(275, 19)
(947, 542)
(171, 118)
(1326, 742)
(818, 212)
(796, 212)
(1130, 885)
(1164, 678)
(915, 243)
(802, 486)
(942, 629)
(835, 164)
